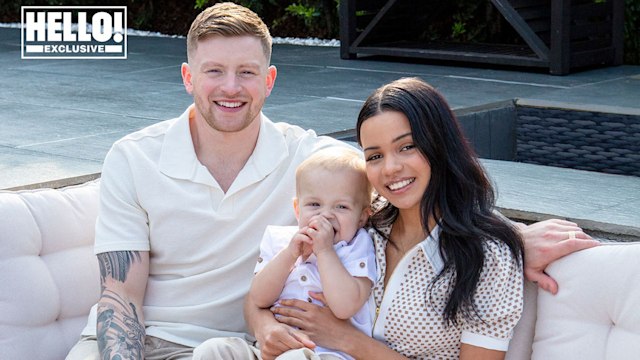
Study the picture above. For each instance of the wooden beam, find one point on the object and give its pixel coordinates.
(617, 31)
(528, 35)
(367, 30)
(347, 11)
(560, 55)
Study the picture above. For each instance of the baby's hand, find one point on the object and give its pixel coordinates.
(300, 245)
(321, 232)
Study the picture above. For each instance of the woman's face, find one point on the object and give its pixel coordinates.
(395, 166)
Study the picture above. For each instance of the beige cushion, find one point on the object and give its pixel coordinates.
(596, 313)
(48, 274)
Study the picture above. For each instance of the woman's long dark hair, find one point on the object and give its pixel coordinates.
(459, 195)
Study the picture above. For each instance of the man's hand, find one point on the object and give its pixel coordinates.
(279, 338)
(547, 241)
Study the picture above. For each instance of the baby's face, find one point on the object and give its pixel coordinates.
(335, 195)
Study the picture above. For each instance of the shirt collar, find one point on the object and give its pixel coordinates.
(430, 246)
(178, 157)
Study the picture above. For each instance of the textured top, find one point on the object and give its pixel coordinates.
(410, 319)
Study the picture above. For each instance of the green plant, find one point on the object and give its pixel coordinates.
(458, 30)
(631, 32)
(309, 14)
(468, 24)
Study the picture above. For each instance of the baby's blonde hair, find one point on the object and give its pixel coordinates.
(335, 159)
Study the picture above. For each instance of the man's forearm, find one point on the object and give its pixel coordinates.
(120, 324)
(120, 329)
(257, 318)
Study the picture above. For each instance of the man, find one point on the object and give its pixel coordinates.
(184, 203)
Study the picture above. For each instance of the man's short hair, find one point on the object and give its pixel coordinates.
(228, 19)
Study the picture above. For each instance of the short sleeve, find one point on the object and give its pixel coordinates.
(498, 300)
(122, 223)
(274, 239)
(359, 256)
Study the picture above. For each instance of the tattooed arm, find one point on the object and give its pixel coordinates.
(123, 280)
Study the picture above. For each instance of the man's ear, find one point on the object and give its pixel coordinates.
(272, 72)
(186, 77)
(296, 208)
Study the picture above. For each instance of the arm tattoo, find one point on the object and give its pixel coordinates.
(119, 331)
(116, 264)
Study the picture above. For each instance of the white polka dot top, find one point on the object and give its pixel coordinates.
(410, 309)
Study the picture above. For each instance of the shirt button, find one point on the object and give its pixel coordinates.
(362, 264)
(259, 259)
(303, 278)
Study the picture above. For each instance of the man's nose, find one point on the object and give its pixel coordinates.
(230, 84)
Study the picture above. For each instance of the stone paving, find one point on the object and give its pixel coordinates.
(58, 118)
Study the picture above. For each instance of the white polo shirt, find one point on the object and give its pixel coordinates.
(156, 196)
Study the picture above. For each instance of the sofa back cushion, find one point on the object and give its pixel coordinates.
(596, 313)
(49, 277)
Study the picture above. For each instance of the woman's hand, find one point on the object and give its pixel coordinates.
(326, 330)
(315, 321)
(547, 241)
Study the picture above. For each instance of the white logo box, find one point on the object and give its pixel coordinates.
(74, 32)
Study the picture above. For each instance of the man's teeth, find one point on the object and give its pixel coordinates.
(229, 104)
(400, 184)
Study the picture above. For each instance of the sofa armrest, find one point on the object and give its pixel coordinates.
(48, 274)
(596, 313)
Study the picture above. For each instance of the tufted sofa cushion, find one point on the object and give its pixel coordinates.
(596, 313)
(48, 274)
(49, 280)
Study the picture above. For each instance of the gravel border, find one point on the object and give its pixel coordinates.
(276, 40)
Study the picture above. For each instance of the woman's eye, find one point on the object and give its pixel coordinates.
(408, 147)
(373, 157)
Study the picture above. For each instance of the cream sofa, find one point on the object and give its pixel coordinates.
(49, 280)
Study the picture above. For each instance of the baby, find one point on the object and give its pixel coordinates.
(328, 251)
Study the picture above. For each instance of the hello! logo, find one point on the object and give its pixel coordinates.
(74, 32)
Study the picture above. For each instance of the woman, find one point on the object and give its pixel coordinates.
(450, 283)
